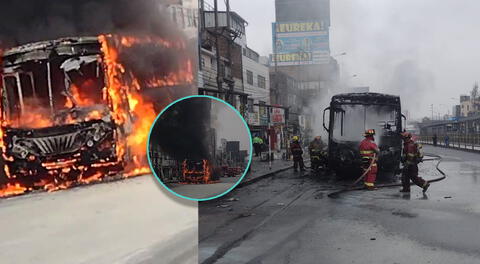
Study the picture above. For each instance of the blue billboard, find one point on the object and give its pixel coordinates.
(297, 43)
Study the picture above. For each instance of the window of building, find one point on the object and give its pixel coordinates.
(249, 77)
(174, 14)
(261, 81)
(190, 17)
(250, 105)
(195, 18)
(292, 98)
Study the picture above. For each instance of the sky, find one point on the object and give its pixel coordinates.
(229, 125)
(428, 51)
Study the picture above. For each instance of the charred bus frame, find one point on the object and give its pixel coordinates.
(349, 115)
(74, 140)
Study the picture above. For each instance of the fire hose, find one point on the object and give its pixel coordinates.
(352, 188)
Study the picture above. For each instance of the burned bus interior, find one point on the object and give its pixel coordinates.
(54, 107)
(350, 115)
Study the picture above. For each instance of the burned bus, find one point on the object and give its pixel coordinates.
(349, 116)
(56, 112)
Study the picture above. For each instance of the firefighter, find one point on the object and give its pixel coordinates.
(316, 150)
(297, 152)
(412, 155)
(369, 152)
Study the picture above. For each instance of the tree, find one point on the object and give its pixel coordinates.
(474, 98)
(474, 92)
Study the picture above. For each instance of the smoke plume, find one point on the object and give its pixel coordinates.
(182, 131)
(29, 21)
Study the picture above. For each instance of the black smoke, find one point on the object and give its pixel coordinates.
(31, 20)
(183, 130)
(27, 21)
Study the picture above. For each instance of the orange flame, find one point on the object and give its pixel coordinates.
(129, 41)
(12, 189)
(129, 108)
(80, 99)
(173, 78)
(198, 176)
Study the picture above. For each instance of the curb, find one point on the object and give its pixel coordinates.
(253, 180)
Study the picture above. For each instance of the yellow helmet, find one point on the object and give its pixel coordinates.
(295, 138)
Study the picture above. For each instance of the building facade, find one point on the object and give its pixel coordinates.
(220, 67)
(469, 106)
(301, 44)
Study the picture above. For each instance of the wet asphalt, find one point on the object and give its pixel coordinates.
(288, 218)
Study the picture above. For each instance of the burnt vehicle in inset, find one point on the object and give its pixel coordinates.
(56, 112)
(198, 171)
(350, 115)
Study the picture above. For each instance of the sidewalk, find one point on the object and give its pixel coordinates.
(455, 145)
(261, 169)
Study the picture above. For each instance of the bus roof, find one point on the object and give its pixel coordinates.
(366, 98)
(43, 49)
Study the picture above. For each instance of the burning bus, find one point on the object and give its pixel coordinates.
(349, 115)
(198, 171)
(57, 112)
(74, 110)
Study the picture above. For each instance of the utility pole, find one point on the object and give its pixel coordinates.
(217, 49)
(286, 135)
(431, 108)
(201, 27)
(229, 93)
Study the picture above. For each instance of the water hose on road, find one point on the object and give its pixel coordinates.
(352, 188)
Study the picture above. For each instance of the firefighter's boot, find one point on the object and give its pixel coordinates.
(425, 187)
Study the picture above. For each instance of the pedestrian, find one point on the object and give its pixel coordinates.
(447, 141)
(412, 155)
(257, 145)
(369, 152)
(435, 138)
(297, 153)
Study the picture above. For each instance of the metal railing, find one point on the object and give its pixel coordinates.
(459, 141)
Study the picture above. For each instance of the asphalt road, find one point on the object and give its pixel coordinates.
(129, 221)
(288, 218)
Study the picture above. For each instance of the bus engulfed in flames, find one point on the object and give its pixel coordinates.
(73, 113)
(198, 172)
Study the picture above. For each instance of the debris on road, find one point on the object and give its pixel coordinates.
(246, 214)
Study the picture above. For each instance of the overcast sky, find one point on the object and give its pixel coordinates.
(427, 51)
(229, 125)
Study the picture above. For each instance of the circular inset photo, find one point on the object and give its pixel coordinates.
(199, 148)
